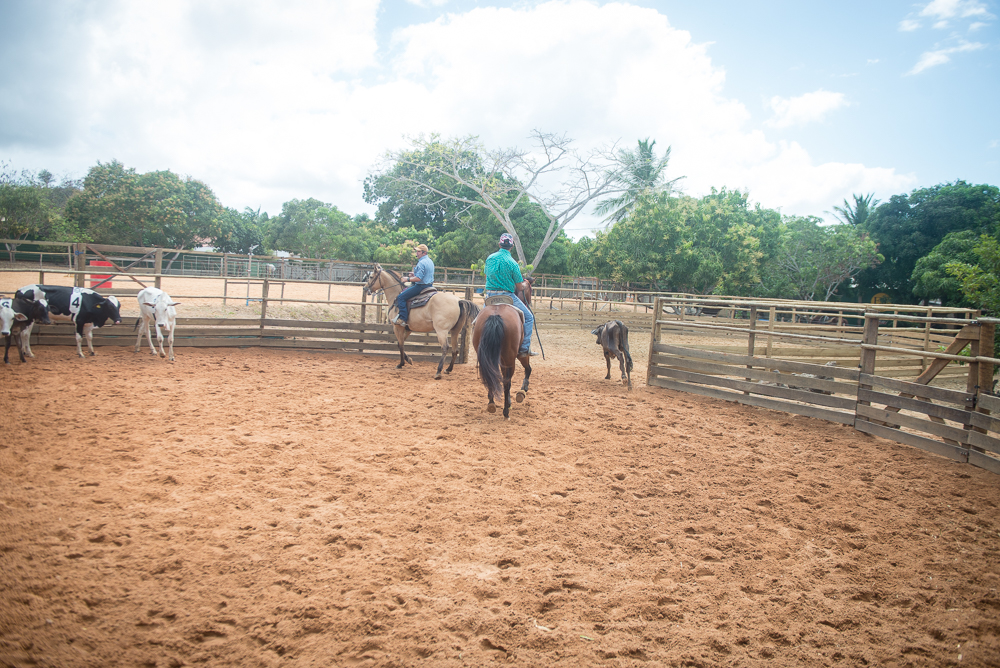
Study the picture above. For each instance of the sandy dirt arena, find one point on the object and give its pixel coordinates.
(291, 508)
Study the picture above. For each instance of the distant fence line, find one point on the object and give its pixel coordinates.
(172, 262)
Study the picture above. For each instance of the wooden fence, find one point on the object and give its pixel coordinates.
(875, 377)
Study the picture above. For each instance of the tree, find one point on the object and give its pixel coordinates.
(638, 173)
(858, 213)
(717, 243)
(931, 278)
(559, 180)
(240, 232)
(980, 279)
(908, 227)
(119, 206)
(814, 260)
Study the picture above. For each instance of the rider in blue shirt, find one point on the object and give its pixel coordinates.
(422, 277)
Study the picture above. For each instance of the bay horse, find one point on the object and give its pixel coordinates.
(445, 314)
(496, 335)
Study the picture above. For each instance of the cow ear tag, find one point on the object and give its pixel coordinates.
(98, 306)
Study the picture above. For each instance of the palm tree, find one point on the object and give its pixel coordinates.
(638, 172)
(856, 215)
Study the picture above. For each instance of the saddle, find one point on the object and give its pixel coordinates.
(506, 300)
(499, 299)
(421, 299)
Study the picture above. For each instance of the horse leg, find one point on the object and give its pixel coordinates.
(454, 352)
(508, 374)
(401, 335)
(443, 340)
(525, 361)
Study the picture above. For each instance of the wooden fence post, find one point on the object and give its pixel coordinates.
(772, 315)
(80, 251)
(867, 362)
(751, 339)
(158, 268)
(654, 336)
(263, 301)
(364, 301)
(987, 332)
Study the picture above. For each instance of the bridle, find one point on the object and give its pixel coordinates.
(376, 272)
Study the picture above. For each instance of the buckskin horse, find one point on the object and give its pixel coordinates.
(496, 336)
(444, 314)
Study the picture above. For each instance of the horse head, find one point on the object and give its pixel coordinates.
(370, 277)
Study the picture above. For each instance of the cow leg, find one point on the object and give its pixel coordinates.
(26, 340)
(171, 338)
(525, 361)
(6, 349)
(147, 323)
(141, 325)
(88, 331)
(626, 376)
(159, 342)
(607, 358)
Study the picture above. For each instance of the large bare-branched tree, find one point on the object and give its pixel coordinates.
(553, 175)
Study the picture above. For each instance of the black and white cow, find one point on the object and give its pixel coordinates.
(83, 306)
(16, 316)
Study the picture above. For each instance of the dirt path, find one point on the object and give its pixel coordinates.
(272, 508)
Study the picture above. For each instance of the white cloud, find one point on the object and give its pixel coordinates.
(948, 9)
(272, 102)
(930, 59)
(909, 25)
(804, 109)
(977, 25)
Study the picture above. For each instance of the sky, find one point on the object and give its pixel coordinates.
(801, 104)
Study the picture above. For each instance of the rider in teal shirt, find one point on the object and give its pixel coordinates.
(502, 274)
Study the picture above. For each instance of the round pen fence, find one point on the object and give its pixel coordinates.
(923, 381)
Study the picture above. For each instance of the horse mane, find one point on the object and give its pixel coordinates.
(395, 276)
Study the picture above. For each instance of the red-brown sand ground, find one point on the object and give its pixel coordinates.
(293, 508)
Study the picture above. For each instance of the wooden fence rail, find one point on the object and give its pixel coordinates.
(882, 390)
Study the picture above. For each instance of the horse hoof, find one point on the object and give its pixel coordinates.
(492, 408)
(519, 397)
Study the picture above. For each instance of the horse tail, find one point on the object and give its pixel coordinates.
(488, 354)
(469, 310)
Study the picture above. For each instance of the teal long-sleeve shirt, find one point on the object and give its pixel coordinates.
(502, 271)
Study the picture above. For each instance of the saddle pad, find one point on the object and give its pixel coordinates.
(499, 299)
(421, 299)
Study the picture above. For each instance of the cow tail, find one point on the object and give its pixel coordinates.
(137, 321)
(488, 355)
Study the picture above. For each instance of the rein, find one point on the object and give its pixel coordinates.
(376, 277)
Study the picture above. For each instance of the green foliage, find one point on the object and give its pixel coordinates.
(857, 213)
(813, 259)
(717, 243)
(31, 208)
(980, 282)
(932, 280)
(240, 232)
(119, 206)
(638, 173)
(908, 227)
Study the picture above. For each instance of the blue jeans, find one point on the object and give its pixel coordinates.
(529, 318)
(406, 295)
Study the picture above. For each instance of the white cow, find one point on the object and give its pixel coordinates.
(155, 306)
